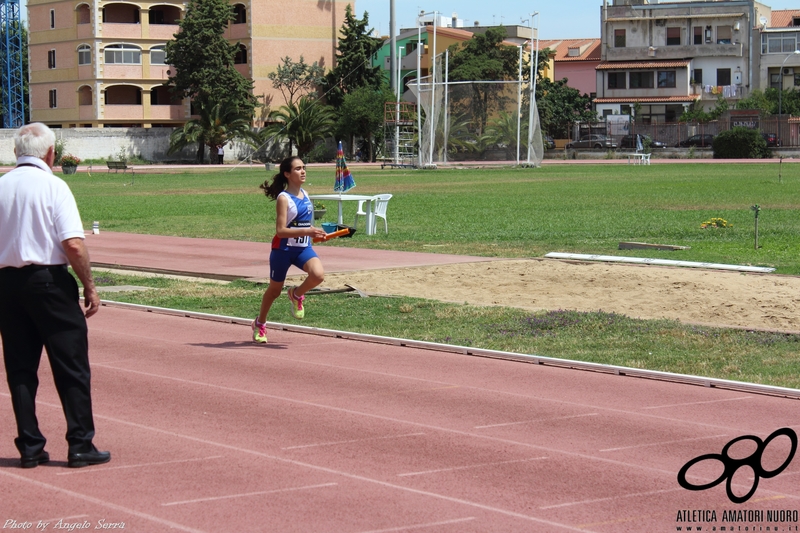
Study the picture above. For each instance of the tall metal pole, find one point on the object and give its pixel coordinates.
(13, 104)
(780, 87)
(393, 59)
(446, 101)
(534, 72)
(419, 95)
(397, 114)
(519, 100)
(433, 85)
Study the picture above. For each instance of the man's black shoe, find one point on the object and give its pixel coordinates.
(36, 460)
(94, 457)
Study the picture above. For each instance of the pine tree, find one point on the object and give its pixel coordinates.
(202, 63)
(353, 60)
(483, 58)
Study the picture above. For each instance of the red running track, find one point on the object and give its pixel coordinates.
(210, 432)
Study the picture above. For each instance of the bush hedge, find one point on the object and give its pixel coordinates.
(740, 143)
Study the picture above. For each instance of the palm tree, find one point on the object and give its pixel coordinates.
(302, 123)
(502, 132)
(215, 125)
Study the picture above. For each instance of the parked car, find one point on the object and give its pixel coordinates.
(548, 142)
(629, 141)
(593, 141)
(703, 140)
(772, 140)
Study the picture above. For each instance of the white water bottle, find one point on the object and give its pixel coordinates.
(95, 227)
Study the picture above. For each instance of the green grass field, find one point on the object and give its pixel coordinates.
(493, 212)
(497, 212)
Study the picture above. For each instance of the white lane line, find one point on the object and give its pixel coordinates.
(534, 420)
(139, 465)
(102, 503)
(335, 443)
(661, 443)
(467, 467)
(246, 494)
(63, 518)
(606, 409)
(697, 403)
(611, 498)
(452, 431)
(421, 526)
(350, 475)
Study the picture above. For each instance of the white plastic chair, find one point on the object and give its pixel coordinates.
(381, 202)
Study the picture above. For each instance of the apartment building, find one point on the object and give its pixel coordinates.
(779, 61)
(573, 59)
(659, 57)
(101, 63)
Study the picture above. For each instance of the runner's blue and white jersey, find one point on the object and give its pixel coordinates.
(299, 215)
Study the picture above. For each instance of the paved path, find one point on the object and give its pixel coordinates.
(239, 259)
(212, 433)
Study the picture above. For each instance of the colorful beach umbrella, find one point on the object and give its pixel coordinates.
(344, 180)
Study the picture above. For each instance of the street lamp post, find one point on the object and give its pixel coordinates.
(420, 49)
(519, 97)
(780, 86)
(534, 72)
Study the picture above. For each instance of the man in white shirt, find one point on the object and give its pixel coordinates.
(39, 301)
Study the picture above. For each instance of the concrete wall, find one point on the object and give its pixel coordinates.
(149, 144)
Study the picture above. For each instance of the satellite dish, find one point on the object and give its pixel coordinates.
(763, 21)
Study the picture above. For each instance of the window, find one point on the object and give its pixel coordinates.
(51, 59)
(724, 34)
(707, 35)
(158, 55)
(666, 79)
(698, 35)
(616, 80)
(673, 36)
(774, 81)
(123, 54)
(778, 43)
(155, 16)
(723, 76)
(641, 80)
(619, 38)
(53, 99)
(84, 55)
(697, 76)
(52, 18)
(797, 79)
(241, 56)
(240, 14)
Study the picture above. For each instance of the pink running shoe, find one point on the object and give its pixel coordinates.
(297, 304)
(259, 332)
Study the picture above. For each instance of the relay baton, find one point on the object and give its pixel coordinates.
(334, 235)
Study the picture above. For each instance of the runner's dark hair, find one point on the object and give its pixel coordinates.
(279, 180)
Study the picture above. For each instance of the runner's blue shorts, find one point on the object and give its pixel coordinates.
(281, 260)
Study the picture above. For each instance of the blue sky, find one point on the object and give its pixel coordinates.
(563, 19)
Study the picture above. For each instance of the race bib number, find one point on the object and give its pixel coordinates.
(299, 242)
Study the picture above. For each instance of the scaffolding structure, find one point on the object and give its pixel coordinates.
(13, 100)
(399, 134)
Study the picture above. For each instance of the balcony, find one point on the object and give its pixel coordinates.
(124, 112)
(167, 112)
(165, 32)
(115, 30)
(643, 53)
